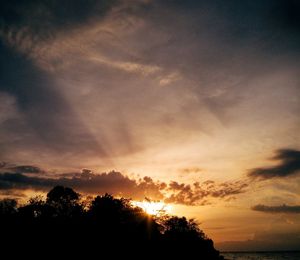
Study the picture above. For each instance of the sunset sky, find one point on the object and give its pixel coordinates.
(192, 103)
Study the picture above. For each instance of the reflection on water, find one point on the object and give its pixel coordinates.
(262, 255)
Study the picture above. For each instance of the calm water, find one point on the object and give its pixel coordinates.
(262, 255)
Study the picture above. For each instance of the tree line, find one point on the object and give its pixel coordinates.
(103, 225)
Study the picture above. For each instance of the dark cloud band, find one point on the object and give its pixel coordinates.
(289, 164)
(121, 185)
(277, 209)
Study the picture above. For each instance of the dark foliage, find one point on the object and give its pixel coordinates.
(103, 228)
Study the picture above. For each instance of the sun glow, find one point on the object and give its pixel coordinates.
(153, 207)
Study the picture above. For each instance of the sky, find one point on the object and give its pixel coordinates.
(192, 103)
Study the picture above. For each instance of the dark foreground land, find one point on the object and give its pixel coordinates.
(101, 228)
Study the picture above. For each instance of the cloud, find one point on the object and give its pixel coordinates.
(13, 168)
(289, 165)
(121, 185)
(277, 209)
(6, 167)
(169, 78)
(190, 170)
(132, 67)
(42, 18)
(199, 193)
(55, 50)
(15, 194)
(7, 107)
(27, 169)
(30, 30)
(89, 81)
(43, 37)
(112, 182)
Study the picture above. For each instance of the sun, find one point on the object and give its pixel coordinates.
(153, 207)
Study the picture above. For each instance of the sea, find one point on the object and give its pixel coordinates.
(261, 255)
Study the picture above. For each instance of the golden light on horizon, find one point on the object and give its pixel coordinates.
(155, 208)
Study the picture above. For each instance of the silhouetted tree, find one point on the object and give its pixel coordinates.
(180, 228)
(62, 195)
(35, 208)
(63, 202)
(179, 231)
(8, 207)
(105, 225)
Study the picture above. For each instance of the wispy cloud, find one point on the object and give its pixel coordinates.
(99, 23)
(29, 169)
(128, 66)
(199, 193)
(190, 170)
